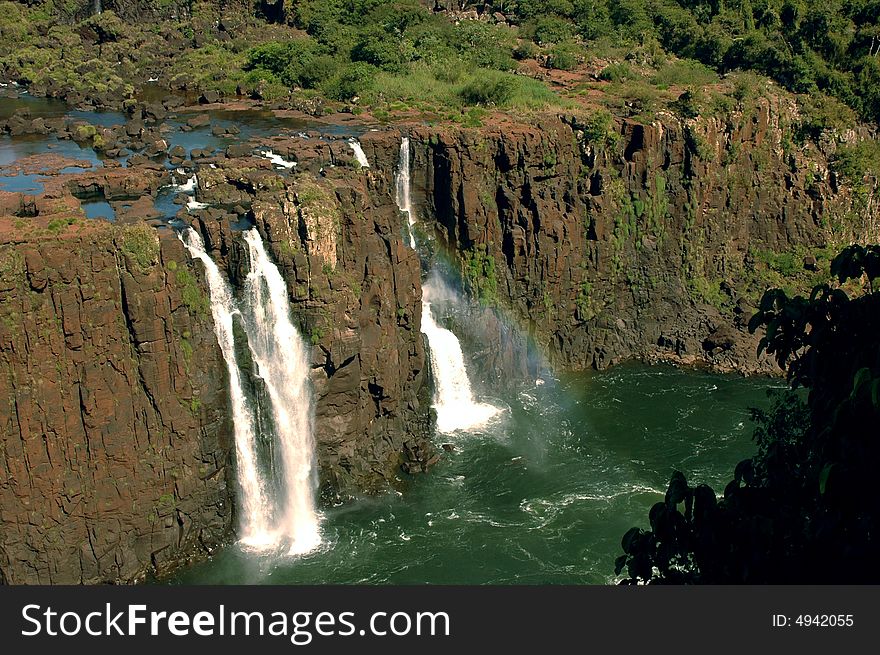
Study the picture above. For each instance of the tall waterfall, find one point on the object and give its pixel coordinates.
(97, 6)
(282, 363)
(403, 185)
(275, 513)
(359, 153)
(454, 401)
(255, 509)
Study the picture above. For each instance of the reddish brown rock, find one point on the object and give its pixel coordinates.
(639, 247)
(114, 439)
(355, 293)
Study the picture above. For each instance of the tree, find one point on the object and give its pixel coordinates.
(805, 507)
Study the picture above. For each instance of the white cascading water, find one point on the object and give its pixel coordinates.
(359, 153)
(457, 409)
(454, 401)
(189, 188)
(402, 184)
(255, 508)
(278, 160)
(282, 363)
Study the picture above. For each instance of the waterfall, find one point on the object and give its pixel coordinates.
(255, 510)
(283, 512)
(282, 363)
(403, 185)
(359, 153)
(98, 7)
(278, 160)
(189, 188)
(454, 401)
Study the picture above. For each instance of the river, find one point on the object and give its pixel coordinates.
(542, 496)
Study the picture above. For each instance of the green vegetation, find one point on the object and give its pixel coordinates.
(586, 305)
(394, 57)
(805, 505)
(854, 162)
(708, 291)
(398, 55)
(58, 225)
(685, 73)
(187, 350)
(599, 129)
(11, 262)
(805, 45)
(768, 269)
(195, 300)
(141, 243)
(479, 274)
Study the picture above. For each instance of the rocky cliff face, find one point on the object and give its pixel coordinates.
(583, 245)
(114, 437)
(355, 291)
(649, 241)
(116, 448)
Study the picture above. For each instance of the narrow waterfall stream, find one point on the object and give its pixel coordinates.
(276, 513)
(457, 409)
(402, 185)
(359, 153)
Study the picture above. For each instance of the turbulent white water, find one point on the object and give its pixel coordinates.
(359, 153)
(454, 401)
(255, 509)
(187, 187)
(282, 363)
(278, 160)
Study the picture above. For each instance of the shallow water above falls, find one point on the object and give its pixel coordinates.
(543, 496)
(250, 123)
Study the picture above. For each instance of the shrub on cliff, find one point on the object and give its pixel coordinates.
(491, 89)
(804, 508)
(350, 81)
(563, 57)
(856, 161)
(300, 62)
(141, 243)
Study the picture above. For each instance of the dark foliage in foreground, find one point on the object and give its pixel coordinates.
(805, 507)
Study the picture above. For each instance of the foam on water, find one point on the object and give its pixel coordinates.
(278, 160)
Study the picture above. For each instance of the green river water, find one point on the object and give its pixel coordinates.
(543, 496)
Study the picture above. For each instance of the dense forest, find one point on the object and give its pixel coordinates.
(434, 53)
